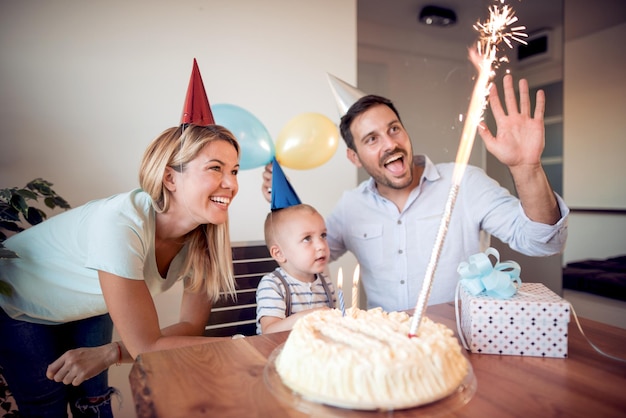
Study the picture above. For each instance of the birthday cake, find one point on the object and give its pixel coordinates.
(365, 360)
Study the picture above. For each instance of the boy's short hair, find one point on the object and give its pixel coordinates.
(275, 218)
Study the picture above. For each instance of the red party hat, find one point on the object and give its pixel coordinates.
(197, 109)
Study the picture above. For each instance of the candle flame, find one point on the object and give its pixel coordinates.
(492, 34)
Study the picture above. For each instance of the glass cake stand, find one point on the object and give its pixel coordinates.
(285, 395)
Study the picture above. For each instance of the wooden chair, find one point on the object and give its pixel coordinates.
(251, 261)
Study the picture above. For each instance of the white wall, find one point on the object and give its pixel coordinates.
(430, 81)
(595, 144)
(85, 86)
(595, 105)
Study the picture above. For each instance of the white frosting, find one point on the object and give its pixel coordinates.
(365, 360)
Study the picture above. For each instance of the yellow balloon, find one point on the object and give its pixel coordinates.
(307, 141)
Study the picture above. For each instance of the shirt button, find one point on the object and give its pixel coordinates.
(400, 251)
(364, 235)
(401, 281)
(399, 221)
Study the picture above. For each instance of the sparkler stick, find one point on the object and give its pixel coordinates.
(491, 33)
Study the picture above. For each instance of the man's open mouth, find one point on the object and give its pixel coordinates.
(395, 163)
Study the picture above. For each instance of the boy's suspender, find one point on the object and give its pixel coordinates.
(287, 292)
(329, 297)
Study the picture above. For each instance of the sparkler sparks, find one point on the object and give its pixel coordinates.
(492, 34)
(496, 30)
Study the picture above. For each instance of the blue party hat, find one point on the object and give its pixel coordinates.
(283, 194)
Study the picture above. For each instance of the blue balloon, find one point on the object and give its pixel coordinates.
(257, 147)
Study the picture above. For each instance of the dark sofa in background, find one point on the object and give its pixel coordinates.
(601, 277)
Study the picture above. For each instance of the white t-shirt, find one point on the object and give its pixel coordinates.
(55, 277)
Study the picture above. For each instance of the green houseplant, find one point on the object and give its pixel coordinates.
(18, 210)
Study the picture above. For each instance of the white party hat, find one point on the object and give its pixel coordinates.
(345, 94)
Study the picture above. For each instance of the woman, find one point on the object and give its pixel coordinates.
(105, 261)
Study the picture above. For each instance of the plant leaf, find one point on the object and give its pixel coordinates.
(8, 213)
(18, 202)
(42, 186)
(35, 215)
(56, 201)
(5, 194)
(60, 202)
(10, 226)
(27, 194)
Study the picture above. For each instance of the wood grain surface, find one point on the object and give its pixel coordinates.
(225, 379)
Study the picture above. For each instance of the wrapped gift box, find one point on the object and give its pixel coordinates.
(531, 323)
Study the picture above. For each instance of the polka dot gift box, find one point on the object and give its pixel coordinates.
(533, 322)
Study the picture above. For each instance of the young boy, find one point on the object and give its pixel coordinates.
(296, 239)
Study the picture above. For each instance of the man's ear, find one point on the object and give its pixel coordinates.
(169, 179)
(277, 254)
(353, 157)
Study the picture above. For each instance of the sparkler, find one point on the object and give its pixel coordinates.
(492, 33)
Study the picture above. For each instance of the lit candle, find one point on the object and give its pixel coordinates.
(342, 305)
(355, 288)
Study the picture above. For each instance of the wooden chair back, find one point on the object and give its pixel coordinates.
(251, 261)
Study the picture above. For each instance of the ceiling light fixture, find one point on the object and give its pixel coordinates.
(437, 16)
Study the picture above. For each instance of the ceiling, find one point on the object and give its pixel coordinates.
(534, 14)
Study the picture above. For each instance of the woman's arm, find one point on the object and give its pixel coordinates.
(135, 317)
(77, 365)
(194, 313)
(82, 363)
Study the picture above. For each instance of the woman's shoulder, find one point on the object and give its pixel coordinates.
(134, 201)
(135, 197)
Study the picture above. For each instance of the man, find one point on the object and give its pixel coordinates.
(390, 221)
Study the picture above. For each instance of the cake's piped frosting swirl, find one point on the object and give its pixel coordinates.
(365, 360)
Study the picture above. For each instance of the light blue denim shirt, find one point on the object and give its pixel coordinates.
(393, 248)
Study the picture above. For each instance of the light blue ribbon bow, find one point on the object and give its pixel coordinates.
(500, 280)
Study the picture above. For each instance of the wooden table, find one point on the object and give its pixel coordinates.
(225, 379)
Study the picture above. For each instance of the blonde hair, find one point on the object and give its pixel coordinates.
(275, 220)
(208, 264)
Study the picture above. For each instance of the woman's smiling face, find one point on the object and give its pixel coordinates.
(209, 183)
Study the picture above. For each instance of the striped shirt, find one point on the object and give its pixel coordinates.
(270, 296)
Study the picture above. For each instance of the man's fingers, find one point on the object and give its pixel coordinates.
(509, 95)
(524, 98)
(494, 102)
(540, 106)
